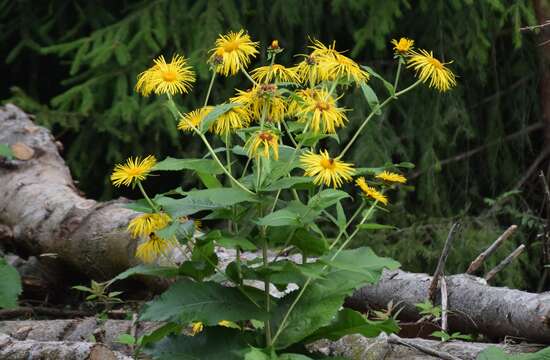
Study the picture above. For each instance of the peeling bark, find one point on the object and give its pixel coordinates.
(474, 307)
(43, 212)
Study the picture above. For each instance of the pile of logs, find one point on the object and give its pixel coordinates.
(43, 212)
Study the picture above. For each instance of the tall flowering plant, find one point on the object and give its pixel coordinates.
(273, 190)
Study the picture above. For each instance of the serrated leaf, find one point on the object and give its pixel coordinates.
(200, 165)
(371, 97)
(209, 302)
(10, 285)
(387, 85)
(326, 198)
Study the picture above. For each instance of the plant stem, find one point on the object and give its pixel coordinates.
(396, 82)
(210, 87)
(373, 112)
(347, 224)
(267, 323)
(248, 76)
(149, 201)
(228, 151)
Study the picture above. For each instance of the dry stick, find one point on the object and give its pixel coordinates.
(394, 339)
(444, 304)
(505, 262)
(441, 263)
(490, 250)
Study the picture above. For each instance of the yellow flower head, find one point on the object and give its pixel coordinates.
(260, 97)
(133, 171)
(166, 78)
(274, 45)
(308, 70)
(391, 177)
(298, 101)
(194, 118)
(277, 72)
(153, 248)
(370, 191)
(196, 328)
(229, 324)
(403, 46)
(233, 51)
(323, 113)
(321, 50)
(146, 224)
(261, 143)
(430, 69)
(342, 67)
(325, 170)
(235, 118)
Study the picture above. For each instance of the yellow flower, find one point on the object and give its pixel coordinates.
(429, 68)
(274, 45)
(196, 328)
(342, 67)
(299, 100)
(308, 70)
(370, 191)
(261, 143)
(320, 49)
(132, 171)
(265, 95)
(194, 118)
(328, 171)
(323, 113)
(391, 177)
(154, 247)
(403, 46)
(233, 51)
(166, 78)
(277, 72)
(235, 118)
(145, 224)
(229, 324)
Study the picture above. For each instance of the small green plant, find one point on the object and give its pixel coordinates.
(271, 186)
(428, 311)
(445, 336)
(98, 293)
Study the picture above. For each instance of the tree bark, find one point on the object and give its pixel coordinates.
(43, 212)
(474, 307)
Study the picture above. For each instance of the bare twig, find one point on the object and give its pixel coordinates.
(535, 27)
(442, 259)
(490, 250)
(505, 262)
(394, 339)
(444, 304)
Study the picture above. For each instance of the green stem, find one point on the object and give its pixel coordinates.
(228, 151)
(248, 76)
(397, 74)
(309, 279)
(267, 323)
(149, 201)
(210, 87)
(289, 134)
(373, 112)
(343, 231)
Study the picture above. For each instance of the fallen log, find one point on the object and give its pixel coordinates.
(353, 347)
(474, 306)
(11, 349)
(43, 212)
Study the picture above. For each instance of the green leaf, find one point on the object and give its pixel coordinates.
(161, 332)
(283, 217)
(406, 165)
(371, 97)
(326, 198)
(5, 151)
(10, 285)
(373, 226)
(139, 205)
(341, 219)
(387, 85)
(200, 200)
(349, 322)
(209, 180)
(230, 241)
(126, 339)
(149, 270)
(214, 114)
(287, 183)
(212, 343)
(200, 165)
(495, 353)
(209, 302)
(313, 245)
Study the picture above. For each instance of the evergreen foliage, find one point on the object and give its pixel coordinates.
(74, 65)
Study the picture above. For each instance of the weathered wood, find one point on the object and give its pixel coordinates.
(474, 307)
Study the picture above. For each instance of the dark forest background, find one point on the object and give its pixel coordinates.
(478, 149)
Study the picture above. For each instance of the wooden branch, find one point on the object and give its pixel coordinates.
(504, 262)
(444, 304)
(442, 259)
(394, 339)
(491, 249)
(476, 307)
